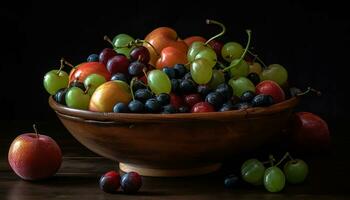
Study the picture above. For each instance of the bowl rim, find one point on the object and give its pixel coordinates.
(254, 112)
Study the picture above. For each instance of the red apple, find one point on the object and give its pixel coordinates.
(271, 88)
(34, 156)
(171, 56)
(192, 39)
(309, 132)
(83, 70)
(202, 107)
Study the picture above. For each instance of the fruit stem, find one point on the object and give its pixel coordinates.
(87, 89)
(144, 70)
(131, 90)
(67, 63)
(144, 41)
(220, 64)
(286, 155)
(108, 40)
(209, 21)
(61, 66)
(249, 33)
(271, 159)
(310, 89)
(257, 58)
(36, 131)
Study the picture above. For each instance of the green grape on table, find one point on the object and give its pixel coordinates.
(201, 71)
(252, 171)
(241, 85)
(274, 179)
(159, 82)
(120, 43)
(275, 72)
(217, 78)
(55, 80)
(296, 171)
(93, 81)
(231, 51)
(77, 98)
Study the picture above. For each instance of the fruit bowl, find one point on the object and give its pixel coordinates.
(174, 144)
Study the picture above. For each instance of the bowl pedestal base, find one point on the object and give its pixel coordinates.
(144, 171)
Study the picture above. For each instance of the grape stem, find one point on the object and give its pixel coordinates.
(220, 64)
(137, 41)
(309, 89)
(131, 90)
(286, 155)
(249, 33)
(36, 131)
(87, 89)
(209, 21)
(257, 58)
(67, 63)
(272, 159)
(108, 40)
(61, 66)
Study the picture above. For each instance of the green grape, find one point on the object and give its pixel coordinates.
(122, 40)
(55, 80)
(93, 81)
(194, 49)
(76, 98)
(241, 85)
(231, 51)
(241, 68)
(159, 82)
(217, 78)
(274, 179)
(209, 54)
(275, 72)
(201, 71)
(296, 171)
(252, 171)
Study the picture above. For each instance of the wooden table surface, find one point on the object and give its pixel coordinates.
(78, 178)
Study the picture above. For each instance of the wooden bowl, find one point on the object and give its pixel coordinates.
(174, 144)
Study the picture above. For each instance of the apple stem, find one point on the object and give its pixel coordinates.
(144, 41)
(249, 33)
(309, 89)
(271, 159)
(256, 57)
(209, 21)
(36, 131)
(286, 155)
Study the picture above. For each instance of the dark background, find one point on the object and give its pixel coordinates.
(35, 35)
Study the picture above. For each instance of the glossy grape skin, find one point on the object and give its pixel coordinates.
(136, 68)
(215, 99)
(225, 90)
(231, 51)
(170, 72)
(191, 99)
(163, 99)
(76, 98)
(274, 179)
(226, 107)
(194, 49)
(240, 69)
(275, 72)
(217, 78)
(131, 182)
(180, 70)
(262, 100)
(93, 58)
(187, 86)
(118, 64)
(120, 77)
(136, 106)
(106, 54)
(152, 106)
(247, 96)
(168, 109)
(184, 109)
(121, 40)
(231, 181)
(241, 85)
(120, 108)
(60, 95)
(159, 82)
(55, 80)
(252, 171)
(141, 54)
(143, 95)
(110, 182)
(296, 171)
(93, 81)
(208, 54)
(201, 71)
(203, 90)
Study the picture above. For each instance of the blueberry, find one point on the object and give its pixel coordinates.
(184, 109)
(138, 85)
(120, 108)
(215, 99)
(254, 78)
(136, 106)
(242, 106)
(187, 86)
(60, 96)
(225, 90)
(180, 70)
(143, 95)
(120, 77)
(203, 90)
(163, 99)
(93, 58)
(168, 109)
(226, 106)
(231, 181)
(262, 100)
(131, 182)
(187, 76)
(247, 96)
(152, 106)
(170, 72)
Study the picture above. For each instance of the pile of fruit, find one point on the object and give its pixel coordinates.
(164, 74)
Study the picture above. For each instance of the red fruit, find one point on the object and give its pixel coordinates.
(217, 46)
(309, 132)
(141, 54)
(143, 79)
(118, 64)
(83, 70)
(271, 88)
(175, 101)
(202, 107)
(34, 157)
(192, 99)
(106, 54)
(110, 182)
